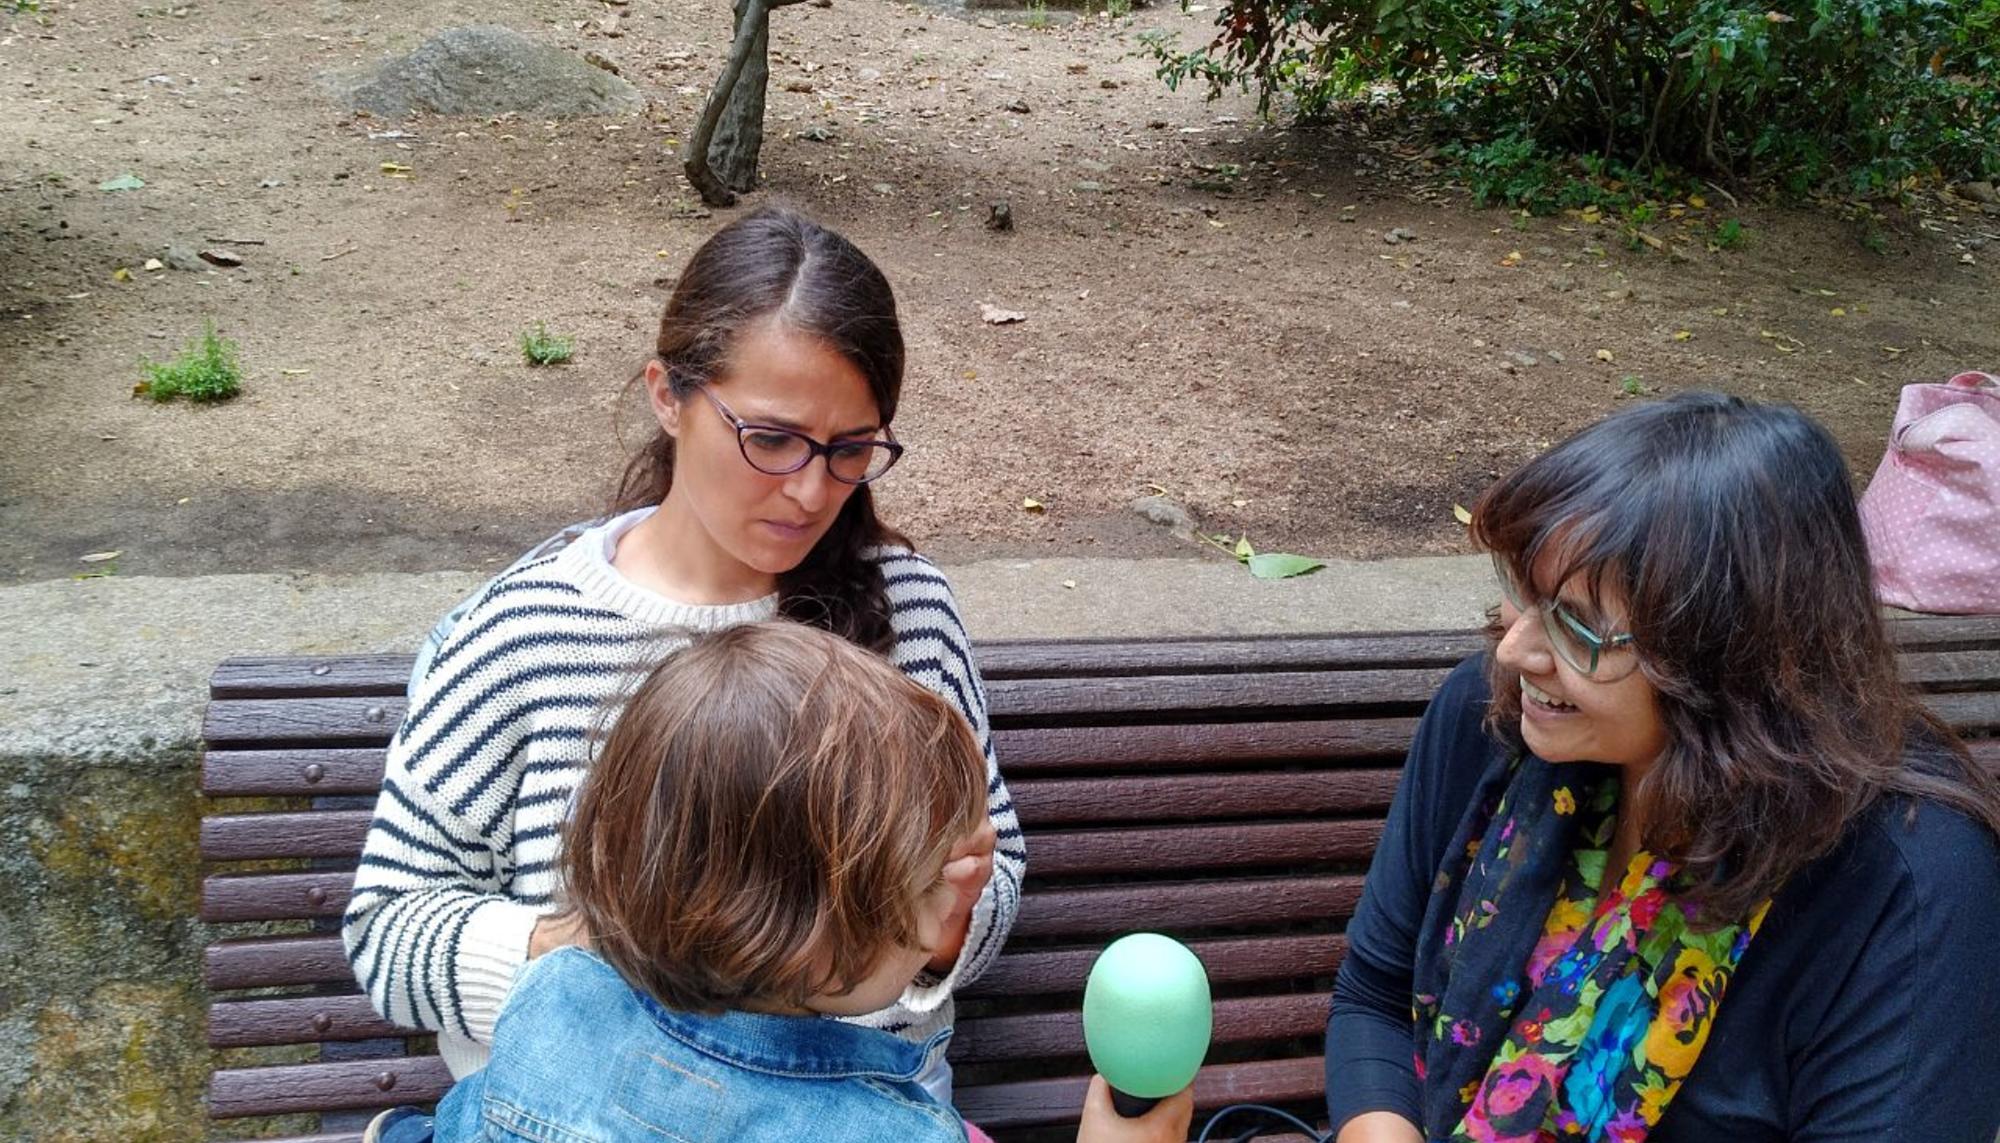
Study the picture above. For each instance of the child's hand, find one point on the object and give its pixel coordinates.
(1167, 1122)
(967, 869)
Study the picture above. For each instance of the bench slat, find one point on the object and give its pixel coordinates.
(1109, 658)
(1199, 745)
(1245, 960)
(1305, 692)
(1950, 670)
(255, 1023)
(255, 837)
(1177, 907)
(343, 1085)
(1033, 1103)
(268, 962)
(266, 773)
(1192, 848)
(275, 896)
(322, 676)
(1204, 797)
(366, 721)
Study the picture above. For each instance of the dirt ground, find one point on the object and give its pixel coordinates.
(1212, 307)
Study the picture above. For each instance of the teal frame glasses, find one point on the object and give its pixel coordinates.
(1579, 645)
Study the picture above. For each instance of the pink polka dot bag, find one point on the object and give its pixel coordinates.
(1932, 513)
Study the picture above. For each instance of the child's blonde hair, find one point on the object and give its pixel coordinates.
(764, 816)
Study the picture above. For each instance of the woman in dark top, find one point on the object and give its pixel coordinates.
(1679, 860)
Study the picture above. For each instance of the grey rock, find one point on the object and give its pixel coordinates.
(489, 70)
(183, 258)
(1400, 234)
(1168, 513)
(1000, 216)
(1981, 191)
(1556, 356)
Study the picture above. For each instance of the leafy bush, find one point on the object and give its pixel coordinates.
(206, 371)
(1866, 92)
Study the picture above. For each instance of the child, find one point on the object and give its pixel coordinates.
(761, 843)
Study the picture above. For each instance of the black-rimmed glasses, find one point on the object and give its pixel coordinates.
(778, 451)
(1600, 658)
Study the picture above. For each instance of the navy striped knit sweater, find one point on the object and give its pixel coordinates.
(460, 859)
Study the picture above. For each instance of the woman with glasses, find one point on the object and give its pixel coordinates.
(1679, 859)
(774, 379)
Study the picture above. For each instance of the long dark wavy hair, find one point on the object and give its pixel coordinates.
(775, 264)
(1730, 528)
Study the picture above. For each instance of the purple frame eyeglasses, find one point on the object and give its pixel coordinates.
(778, 451)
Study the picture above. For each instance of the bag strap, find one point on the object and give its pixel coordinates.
(1974, 380)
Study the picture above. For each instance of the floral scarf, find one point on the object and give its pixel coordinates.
(1542, 1013)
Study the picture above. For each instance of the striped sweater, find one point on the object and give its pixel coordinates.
(460, 859)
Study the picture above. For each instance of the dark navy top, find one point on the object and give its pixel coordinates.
(1866, 1009)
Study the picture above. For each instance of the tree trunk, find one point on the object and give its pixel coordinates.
(739, 137)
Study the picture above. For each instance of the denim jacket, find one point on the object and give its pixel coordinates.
(579, 1056)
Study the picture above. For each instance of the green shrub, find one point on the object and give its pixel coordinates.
(1855, 95)
(540, 347)
(206, 371)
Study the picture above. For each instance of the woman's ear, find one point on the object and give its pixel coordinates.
(660, 394)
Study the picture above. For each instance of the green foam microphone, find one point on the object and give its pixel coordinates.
(1146, 1019)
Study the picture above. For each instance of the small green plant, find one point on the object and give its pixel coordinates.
(540, 347)
(1729, 235)
(1632, 387)
(1038, 14)
(205, 372)
(24, 7)
(1118, 9)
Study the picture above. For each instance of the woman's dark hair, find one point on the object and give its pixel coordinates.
(1731, 531)
(765, 813)
(776, 265)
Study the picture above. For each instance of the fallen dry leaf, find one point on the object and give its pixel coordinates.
(1605, 355)
(1030, 504)
(99, 557)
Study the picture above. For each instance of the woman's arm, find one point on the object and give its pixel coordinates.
(1373, 1094)
(432, 938)
(932, 647)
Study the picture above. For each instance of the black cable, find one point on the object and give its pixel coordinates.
(1285, 1117)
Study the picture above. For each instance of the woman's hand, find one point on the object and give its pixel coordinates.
(1167, 1122)
(967, 869)
(554, 931)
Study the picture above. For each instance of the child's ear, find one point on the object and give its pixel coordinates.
(660, 394)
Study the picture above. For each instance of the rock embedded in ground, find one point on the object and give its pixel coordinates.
(489, 70)
(1168, 513)
(183, 258)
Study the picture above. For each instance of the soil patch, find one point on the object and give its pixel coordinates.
(1212, 307)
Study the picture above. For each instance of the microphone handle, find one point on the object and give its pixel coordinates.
(1131, 1106)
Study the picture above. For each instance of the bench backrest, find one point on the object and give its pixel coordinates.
(1227, 792)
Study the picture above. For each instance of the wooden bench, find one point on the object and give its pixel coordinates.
(1228, 792)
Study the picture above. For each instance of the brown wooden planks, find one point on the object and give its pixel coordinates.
(1951, 670)
(1011, 700)
(1185, 850)
(1177, 907)
(1968, 713)
(276, 896)
(342, 1085)
(1033, 750)
(1070, 658)
(1939, 632)
(1045, 1035)
(1044, 1101)
(303, 1020)
(1204, 797)
(365, 721)
(254, 837)
(1228, 961)
(325, 676)
(264, 962)
(300, 773)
